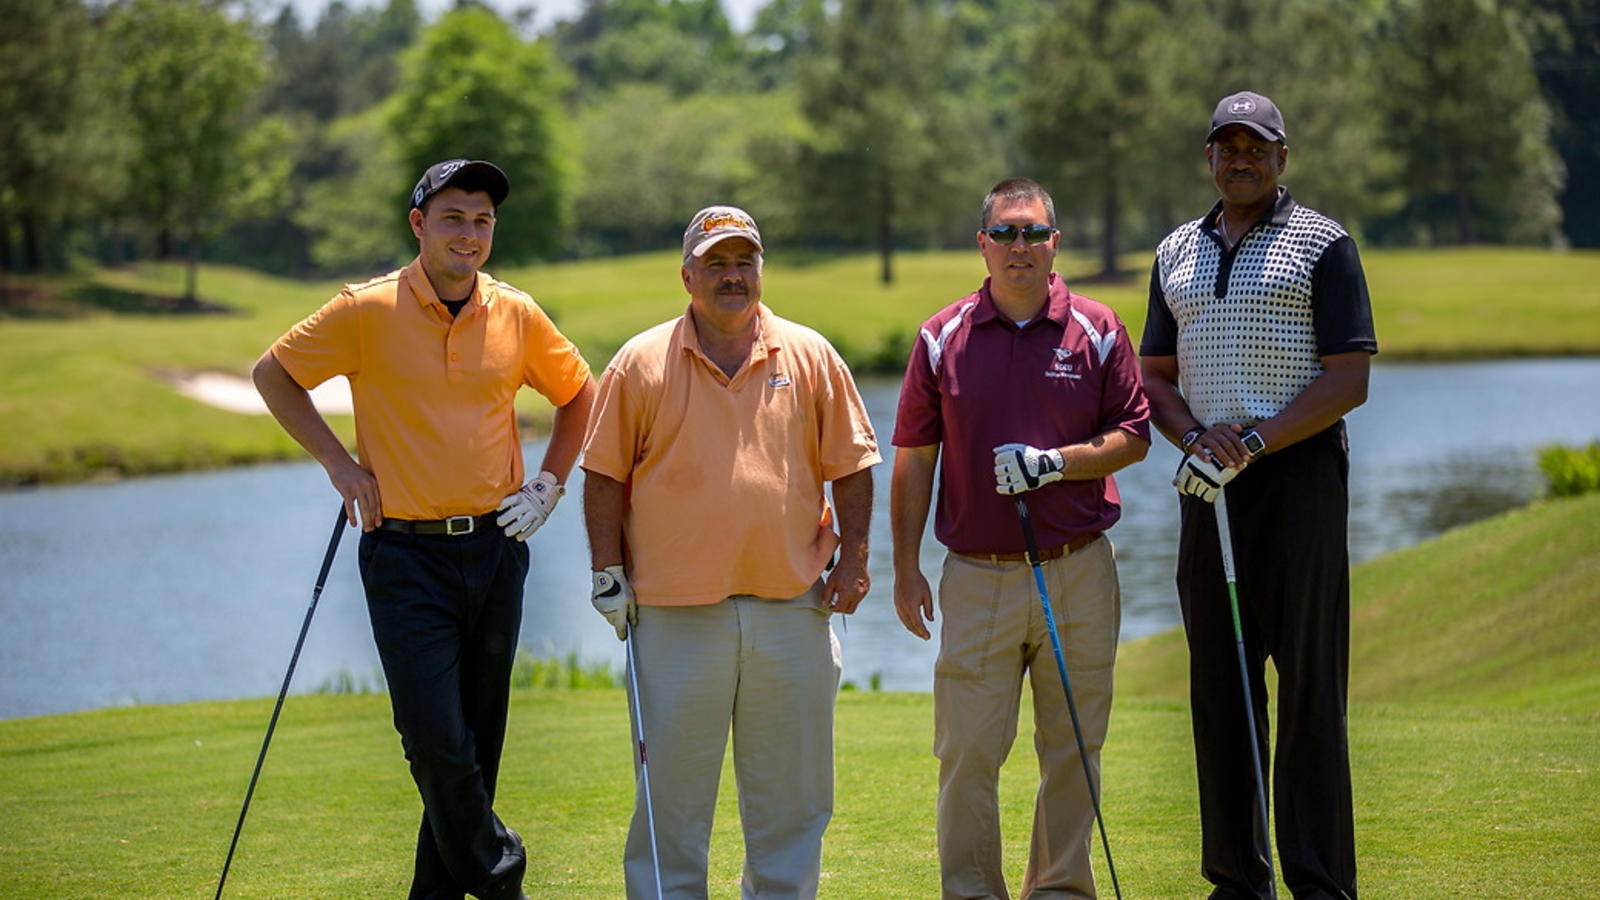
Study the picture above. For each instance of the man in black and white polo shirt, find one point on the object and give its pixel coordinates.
(1258, 341)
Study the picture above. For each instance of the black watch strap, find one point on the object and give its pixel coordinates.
(1192, 435)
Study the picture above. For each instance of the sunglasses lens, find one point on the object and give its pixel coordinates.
(1037, 234)
(1003, 234)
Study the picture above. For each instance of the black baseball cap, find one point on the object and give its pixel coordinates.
(470, 174)
(1252, 109)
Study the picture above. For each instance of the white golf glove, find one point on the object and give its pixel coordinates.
(1019, 467)
(526, 510)
(1202, 477)
(613, 598)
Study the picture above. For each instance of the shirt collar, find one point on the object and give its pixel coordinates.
(416, 277)
(1281, 210)
(1058, 308)
(687, 337)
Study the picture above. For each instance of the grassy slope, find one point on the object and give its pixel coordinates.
(1473, 772)
(85, 393)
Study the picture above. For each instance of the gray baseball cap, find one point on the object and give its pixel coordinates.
(1252, 109)
(718, 223)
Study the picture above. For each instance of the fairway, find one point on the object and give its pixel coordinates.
(1475, 771)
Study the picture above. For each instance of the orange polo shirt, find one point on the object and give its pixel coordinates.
(435, 422)
(725, 475)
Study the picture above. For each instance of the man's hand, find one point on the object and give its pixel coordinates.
(846, 585)
(1202, 476)
(1019, 467)
(359, 489)
(526, 510)
(613, 598)
(913, 600)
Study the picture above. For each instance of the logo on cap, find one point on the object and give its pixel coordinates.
(449, 168)
(726, 220)
(1242, 106)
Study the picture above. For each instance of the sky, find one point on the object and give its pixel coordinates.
(740, 12)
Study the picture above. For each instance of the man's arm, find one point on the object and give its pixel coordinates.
(291, 405)
(910, 494)
(1102, 455)
(566, 433)
(602, 516)
(1340, 388)
(850, 580)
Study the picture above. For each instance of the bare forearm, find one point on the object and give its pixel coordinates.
(291, 405)
(852, 499)
(910, 494)
(603, 500)
(1102, 455)
(566, 432)
(1169, 412)
(1340, 388)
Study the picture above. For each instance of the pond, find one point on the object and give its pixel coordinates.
(194, 586)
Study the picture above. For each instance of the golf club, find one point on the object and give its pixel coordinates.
(1225, 538)
(322, 578)
(1066, 686)
(644, 758)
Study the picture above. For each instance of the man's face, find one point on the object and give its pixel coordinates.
(456, 233)
(1019, 264)
(1246, 165)
(726, 281)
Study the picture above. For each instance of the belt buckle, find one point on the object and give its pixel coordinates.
(467, 523)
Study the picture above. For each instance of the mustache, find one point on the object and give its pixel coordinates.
(733, 285)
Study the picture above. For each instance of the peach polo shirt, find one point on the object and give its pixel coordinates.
(725, 475)
(435, 420)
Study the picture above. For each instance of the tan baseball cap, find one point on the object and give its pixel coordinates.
(718, 223)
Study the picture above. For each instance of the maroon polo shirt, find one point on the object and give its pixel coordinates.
(976, 381)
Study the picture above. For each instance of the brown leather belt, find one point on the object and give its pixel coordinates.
(1045, 555)
(455, 525)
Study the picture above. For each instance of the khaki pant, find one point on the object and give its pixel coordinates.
(771, 669)
(993, 632)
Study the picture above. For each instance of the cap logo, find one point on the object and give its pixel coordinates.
(449, 168)
(416, 195)
(712, 223)
(1242, 106)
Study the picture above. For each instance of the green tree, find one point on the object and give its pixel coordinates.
(470, 87)
(1109, 86)
(58, 150)
(1461, 103)
(186, 74)
(892, 150)
(683, 45)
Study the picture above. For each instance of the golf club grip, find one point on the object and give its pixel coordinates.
(1225, 536)
(1027, 532)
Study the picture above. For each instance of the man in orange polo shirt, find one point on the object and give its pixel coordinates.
(435, 354)
(709, 530)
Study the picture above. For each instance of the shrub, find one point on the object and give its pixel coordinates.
(1571, 470)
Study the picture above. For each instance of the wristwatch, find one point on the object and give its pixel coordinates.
(1253, 443)
(1192, 435)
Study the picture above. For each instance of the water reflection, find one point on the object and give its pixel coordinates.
(190, 587)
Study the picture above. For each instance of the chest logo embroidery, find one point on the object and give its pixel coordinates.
(1062, 365)
(779, 380)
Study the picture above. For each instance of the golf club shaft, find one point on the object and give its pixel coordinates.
(1225, 539)
(1066, 686)
(316, 593)
(644, 758)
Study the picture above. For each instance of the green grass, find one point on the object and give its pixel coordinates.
(1473, 743)
(84, 395)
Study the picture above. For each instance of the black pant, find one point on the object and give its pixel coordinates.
(1288, 513)
(445, 612)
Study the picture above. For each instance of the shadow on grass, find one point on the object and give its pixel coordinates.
(23, 301)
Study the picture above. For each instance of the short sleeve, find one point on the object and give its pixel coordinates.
(1160, 328)
(1123, 403)
(551, 365)
(848, 443)
(611, 444)
(918, 420)
(324, 344)
(1341, 308)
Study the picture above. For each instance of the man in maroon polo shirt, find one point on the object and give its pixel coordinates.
(1026, 386)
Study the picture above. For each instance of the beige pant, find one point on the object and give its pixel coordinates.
(771, 668)
(994, 632)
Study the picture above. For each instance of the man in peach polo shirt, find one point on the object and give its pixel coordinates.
(435, 353)
(709, 531)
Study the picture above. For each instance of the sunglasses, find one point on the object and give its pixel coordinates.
(1006, 234)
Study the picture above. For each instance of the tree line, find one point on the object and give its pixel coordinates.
(234, 132)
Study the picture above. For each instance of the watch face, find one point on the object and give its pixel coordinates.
(1254, 443)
